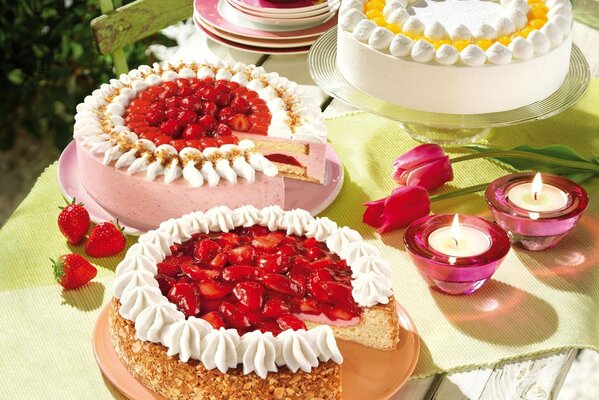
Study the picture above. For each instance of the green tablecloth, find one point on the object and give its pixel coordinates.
(537, 302)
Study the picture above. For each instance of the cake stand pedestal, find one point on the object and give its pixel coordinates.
(443, 129)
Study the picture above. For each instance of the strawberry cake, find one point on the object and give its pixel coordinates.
(162, 141)
(248, 303)
(455, 56)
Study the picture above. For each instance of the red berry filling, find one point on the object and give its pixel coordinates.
(252, 278)
(196, 113)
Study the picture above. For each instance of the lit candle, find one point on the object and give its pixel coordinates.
(536, 212)
(456, 255)
(459, 240)
(537, 197)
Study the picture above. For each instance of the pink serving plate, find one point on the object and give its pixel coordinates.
(298, 194)
(208, 12)
(253, 49)
(283, 8)
(331, 6)
(297, 23)
(365, 373)
(263, 44)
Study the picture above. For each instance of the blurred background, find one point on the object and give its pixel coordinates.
(48, 64)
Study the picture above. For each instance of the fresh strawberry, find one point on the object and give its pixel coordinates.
(339, 294)
(193, 131)
(324, 262)
(242, 255)
(269, 326)
(278, 283)
(222, 130)
(208, 122)
(267, 243)
(105, 239)
(199, 274)
(171, 127)
(228, 239)
(274, 307)
(165, 283)
(249, 294)
(72, 271)
(311, 242)
(73, 222)
(168, 268)
(219, 261)
(273, 262)
(289, 321)
(233, 316)
(307, 306)
(225, 114)
(155, 117)
(185, 297)
(236, 273)
(315, 281)
(240, 123)
(214, 319)
(334, 313)
(314, 253)
(206, 250)
(212, 290)
(240, 105)
(178, 144)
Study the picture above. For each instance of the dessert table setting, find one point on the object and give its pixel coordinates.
(307, 227)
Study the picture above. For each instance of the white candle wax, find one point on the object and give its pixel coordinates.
(550, 197)
(471, 242)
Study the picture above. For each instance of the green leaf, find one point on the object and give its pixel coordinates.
(556, 159)
(16, 76)
(582, 177)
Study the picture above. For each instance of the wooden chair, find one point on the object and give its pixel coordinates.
(120, 25)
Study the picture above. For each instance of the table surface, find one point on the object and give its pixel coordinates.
(539, 378)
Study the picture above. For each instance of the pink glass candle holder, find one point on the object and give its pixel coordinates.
(533, 229)
(455, 274)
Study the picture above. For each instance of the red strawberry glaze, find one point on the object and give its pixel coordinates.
(252, 278)
(185, 111)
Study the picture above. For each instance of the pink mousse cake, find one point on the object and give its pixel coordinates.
(163, 141)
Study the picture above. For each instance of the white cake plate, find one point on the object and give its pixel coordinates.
(444, 129)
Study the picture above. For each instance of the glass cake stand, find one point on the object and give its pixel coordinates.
(444, 129)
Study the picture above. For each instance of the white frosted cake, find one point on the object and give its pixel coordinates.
(455, 56)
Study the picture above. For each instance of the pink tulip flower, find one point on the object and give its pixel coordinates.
(426, 165)
(405, 205)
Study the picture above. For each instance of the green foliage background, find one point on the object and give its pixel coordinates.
(48, 64)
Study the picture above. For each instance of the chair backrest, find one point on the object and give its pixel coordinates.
(124, 25)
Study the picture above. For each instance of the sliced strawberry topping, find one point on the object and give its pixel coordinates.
(251, 278)
(214, 319)
(233, 316)
(289, 321)
(213, 290)
(249, 294)
(206, 250)
(219, 107)
(185, 296)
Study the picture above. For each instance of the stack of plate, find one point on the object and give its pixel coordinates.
(264, 26)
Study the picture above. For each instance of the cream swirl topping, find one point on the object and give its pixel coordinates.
(259, 352)
(152, 321)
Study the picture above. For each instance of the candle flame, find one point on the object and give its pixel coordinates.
(537, 186)
(455, 230)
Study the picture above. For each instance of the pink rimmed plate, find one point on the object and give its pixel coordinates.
(296, 23)
(284, 7)
(365, 373)
(331, 6)
(312, 197)
(209, 11)
(264, 45)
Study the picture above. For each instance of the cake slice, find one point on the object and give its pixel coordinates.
(251, 302)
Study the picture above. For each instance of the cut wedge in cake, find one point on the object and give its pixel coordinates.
(249, 301)
(204, 134)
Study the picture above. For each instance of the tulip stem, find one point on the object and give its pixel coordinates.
(460, 192)
(582, 165)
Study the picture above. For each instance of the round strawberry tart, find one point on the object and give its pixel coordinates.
(162, 141)
(455, 56)
(247, 303)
